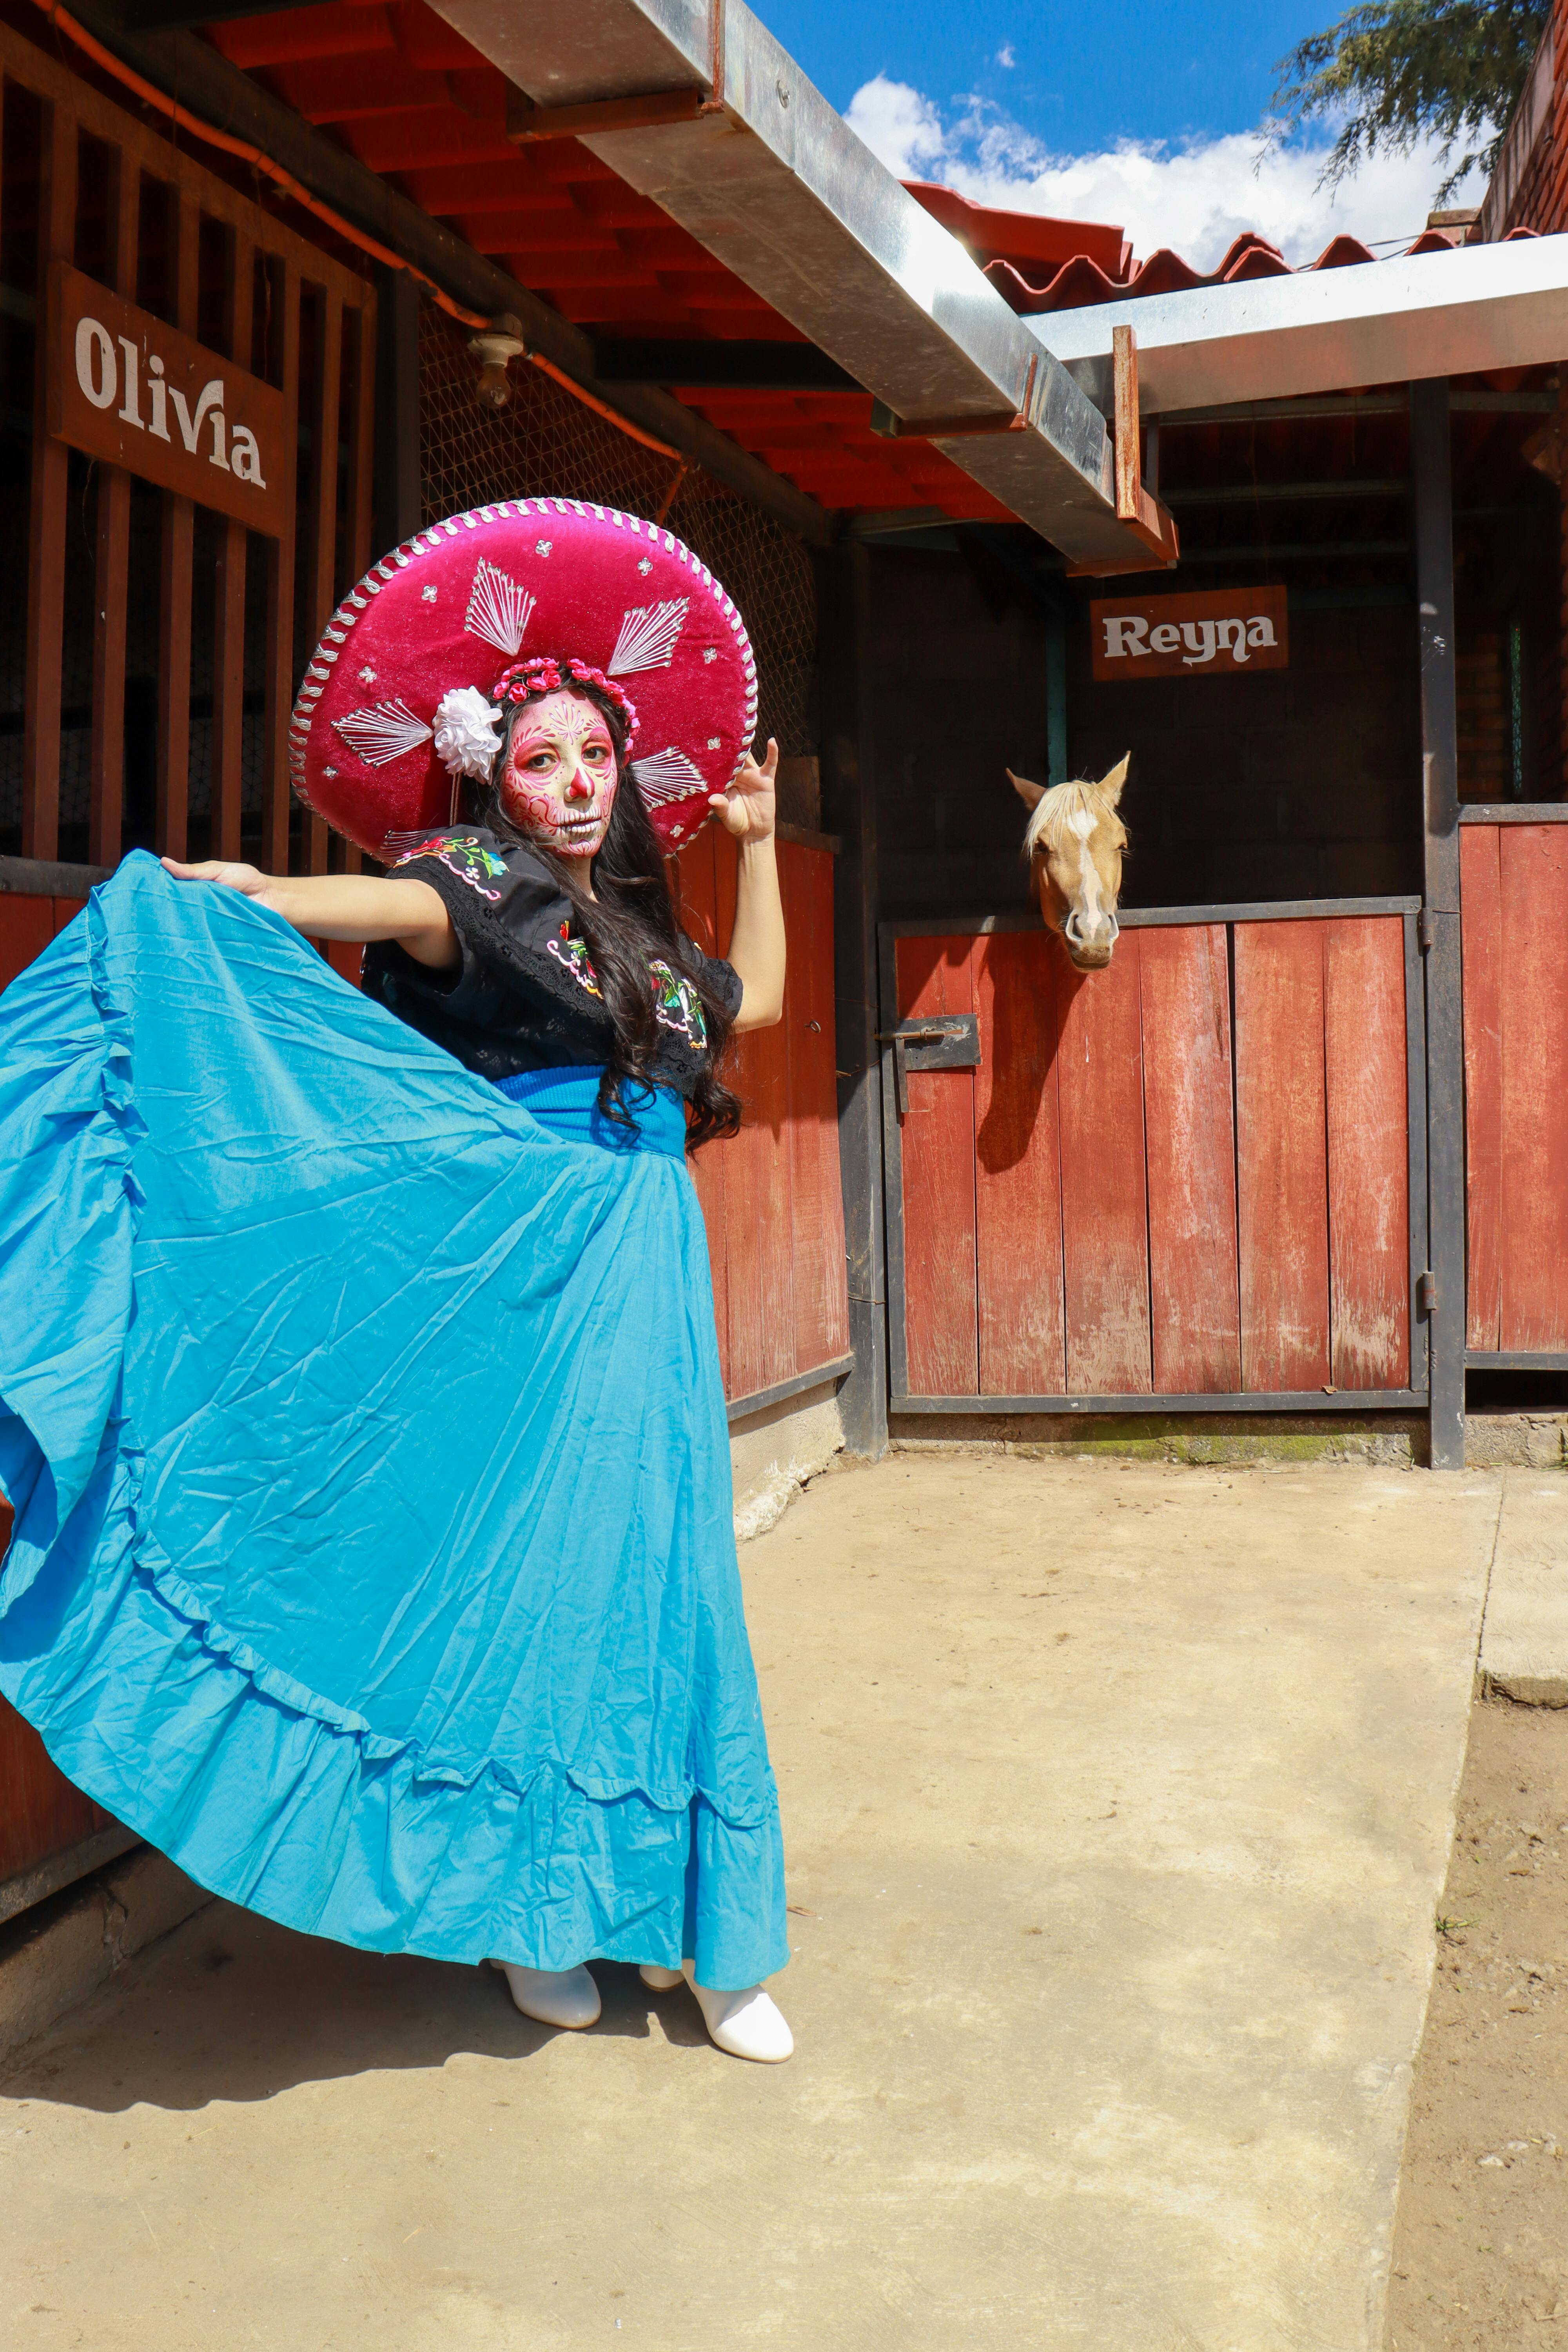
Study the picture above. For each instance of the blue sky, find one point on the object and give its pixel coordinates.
(1083, 77)
(1152, 119)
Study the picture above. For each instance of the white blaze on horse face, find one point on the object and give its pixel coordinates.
(1091, 925)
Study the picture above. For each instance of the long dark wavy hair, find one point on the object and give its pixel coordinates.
(630, 921)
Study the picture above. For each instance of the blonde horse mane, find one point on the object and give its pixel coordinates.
(1054, 812)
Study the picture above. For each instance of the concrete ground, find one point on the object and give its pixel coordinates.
(1118, 1800)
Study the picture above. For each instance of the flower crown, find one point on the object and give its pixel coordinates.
(464, 732)
(526, 681)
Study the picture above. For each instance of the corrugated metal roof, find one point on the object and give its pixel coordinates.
(1065, 265)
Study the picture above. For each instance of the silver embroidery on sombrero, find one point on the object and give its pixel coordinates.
(667, 775)
(381, 732)
(498, 607)
(647, 636)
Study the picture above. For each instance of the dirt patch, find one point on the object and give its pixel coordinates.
(1480, 2250)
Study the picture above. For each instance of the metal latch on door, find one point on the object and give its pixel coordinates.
(947, 1042)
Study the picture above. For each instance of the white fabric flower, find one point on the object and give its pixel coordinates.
(465, 731)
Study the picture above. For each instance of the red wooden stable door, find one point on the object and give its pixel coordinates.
(1187, 1176)
(1514, 896)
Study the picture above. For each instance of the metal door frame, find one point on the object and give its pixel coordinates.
(1416, 1398)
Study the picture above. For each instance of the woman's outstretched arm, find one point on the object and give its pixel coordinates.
(357, 906)
(757, 942)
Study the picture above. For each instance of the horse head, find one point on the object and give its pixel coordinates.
(1073, 842)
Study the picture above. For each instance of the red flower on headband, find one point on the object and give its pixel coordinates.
(529, 681)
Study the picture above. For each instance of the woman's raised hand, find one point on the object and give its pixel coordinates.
(247, 879)
(748, 809)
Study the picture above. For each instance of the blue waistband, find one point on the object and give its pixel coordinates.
(566, 1102)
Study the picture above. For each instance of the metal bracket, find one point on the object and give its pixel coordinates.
(1426, 1293)
(951, 1042)
(526, 122)
(1144, 515)
(890, 426)
(1425, 931)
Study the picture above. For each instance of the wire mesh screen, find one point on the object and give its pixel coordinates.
(545, 444)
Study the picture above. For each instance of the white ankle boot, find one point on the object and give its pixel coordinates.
(748, 2024)
(567, 1997)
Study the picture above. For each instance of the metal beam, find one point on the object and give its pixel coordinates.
(206, 83)
(1339, 407)
(1316, 331)
(1431, 464)
(771, 181)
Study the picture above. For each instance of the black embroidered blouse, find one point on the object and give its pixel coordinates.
(524, 996)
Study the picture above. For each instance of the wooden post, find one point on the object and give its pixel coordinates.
(362, 459)
(1129, 457)
(228, 628)
(322, 536)
(280, 591)
(46, 519)
(1056, 697)
(112, 568)
(849, 809)
(175, 577)
(1432, 471)
(398, 510)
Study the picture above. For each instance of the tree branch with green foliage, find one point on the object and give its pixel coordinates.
(1400, 71)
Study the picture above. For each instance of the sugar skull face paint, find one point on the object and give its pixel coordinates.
(558, 783)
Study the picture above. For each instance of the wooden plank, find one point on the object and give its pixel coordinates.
(1018, 1169)
(1105, 1227)
(26, 927)
(175, 580)
(1281, 1156)
(697, 906)
(1480, 902)
(1533, 893)
(322, 533)
(1194, 1282)
(47, 509)
(112, 565)
(42, 1814)
(1367, 1103)
(759, 1276)
(63, 911)
(362, 473)
(279, 689)
(937, 1147)
(816, 1194)
(228, 631)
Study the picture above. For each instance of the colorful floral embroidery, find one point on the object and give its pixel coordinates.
(574, 954)
(465, 858)
(677, 1004)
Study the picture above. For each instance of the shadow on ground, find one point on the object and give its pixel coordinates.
(234, 2009)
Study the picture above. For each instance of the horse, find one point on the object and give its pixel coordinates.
(1073, 844)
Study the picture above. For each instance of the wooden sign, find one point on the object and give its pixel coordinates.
(1214, 634)
(124, 388)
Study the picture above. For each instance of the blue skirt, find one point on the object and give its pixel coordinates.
(373, 1553)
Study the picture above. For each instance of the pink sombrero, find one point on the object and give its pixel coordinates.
(396, 701)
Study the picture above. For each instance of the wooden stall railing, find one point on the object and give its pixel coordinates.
(149, 226)
(1193, 1182)
(1513, 869)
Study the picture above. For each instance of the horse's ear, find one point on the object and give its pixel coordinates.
(1030, 794)
(1110, 784)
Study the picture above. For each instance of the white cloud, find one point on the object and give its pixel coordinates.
(1005, 57)
(1195, 198)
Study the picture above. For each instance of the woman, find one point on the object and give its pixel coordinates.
(362, 1413)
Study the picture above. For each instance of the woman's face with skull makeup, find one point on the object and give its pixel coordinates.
(558, 782)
